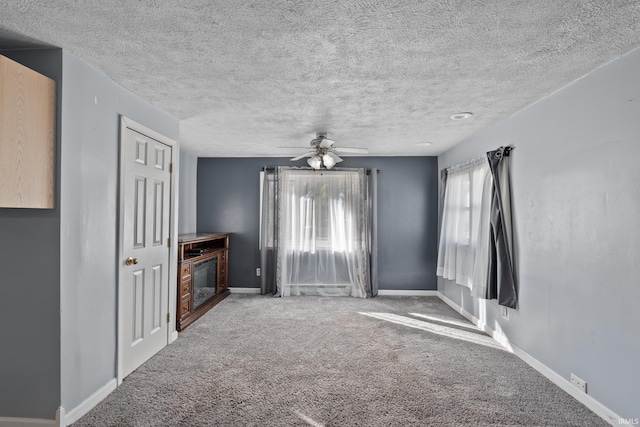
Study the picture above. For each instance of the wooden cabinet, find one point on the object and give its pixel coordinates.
(27, 137)
(203, 260)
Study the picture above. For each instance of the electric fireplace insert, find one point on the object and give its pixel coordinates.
(205, 278)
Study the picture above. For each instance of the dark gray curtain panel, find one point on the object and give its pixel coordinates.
(268, 231)
(501, 281)
(372, 229)
(444, 173)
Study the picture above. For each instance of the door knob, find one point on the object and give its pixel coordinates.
(131, 261)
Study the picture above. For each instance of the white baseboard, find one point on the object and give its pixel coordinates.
(63, 419)
(34, 422)
(60, 417)
(26, 422)
(174, 336)
(407, 293)
(598, 408)
(90, 402)
(245, 290)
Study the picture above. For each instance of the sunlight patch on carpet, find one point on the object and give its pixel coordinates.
(433, 328)
(447, 320)
(308, 420)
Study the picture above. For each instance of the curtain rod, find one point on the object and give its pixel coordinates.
(273, 169)
(505, 150)
(470, 162)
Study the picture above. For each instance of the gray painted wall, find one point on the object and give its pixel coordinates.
(187, 193)
(30, 286)
(576, 201)
(229, 200)
(89, 227)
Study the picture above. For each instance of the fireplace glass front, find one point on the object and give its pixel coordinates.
(204, 280)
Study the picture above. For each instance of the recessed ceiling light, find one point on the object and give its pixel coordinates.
(424, 144)
(461, 116)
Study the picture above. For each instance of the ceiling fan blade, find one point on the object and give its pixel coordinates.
(295, 148)
(326, 142)
(353, 150)
(334, 156)
(302, 156)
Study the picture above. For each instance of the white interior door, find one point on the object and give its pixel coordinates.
(145, 253)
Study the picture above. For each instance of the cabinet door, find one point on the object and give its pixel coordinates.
(27, 137)
(185, 288)
(184, 308)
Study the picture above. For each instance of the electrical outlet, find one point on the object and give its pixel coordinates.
(258, 271)
(580, 383)
(505, 312)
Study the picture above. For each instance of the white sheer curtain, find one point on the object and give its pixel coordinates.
(464, 236)
(322, 235)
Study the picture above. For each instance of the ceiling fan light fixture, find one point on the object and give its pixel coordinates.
(328, 161)
(315, 162)
(334, 156)
(322, 153)
(326, 143)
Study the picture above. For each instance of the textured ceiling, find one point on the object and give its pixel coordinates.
(247, 76)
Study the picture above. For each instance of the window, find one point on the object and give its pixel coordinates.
(318, 212)
(465, 223)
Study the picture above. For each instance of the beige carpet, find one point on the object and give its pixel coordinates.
(313, 361)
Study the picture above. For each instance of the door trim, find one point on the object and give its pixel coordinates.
(127, 123)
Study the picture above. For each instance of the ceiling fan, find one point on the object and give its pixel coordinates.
(323, 152)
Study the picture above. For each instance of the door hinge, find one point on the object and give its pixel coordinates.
(170, 167)
(168, 242)
(168, 317)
